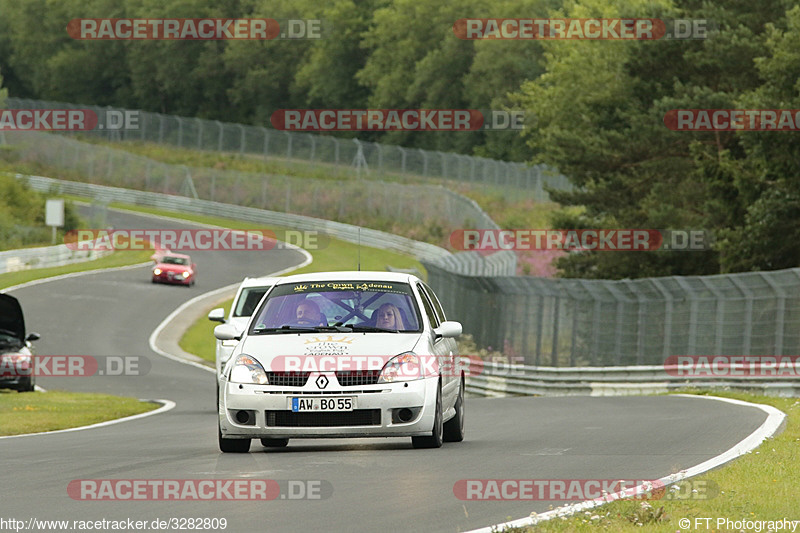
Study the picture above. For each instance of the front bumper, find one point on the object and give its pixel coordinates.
(177, 279)
(385, 398)
(21, 374)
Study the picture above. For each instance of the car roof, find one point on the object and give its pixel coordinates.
(174, 254)
(260, 282)
(351, 275)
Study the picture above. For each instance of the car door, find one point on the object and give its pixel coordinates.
(443, 349)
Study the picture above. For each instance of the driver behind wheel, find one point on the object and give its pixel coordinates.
(308, 313)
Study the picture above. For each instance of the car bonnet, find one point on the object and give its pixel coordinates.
(11, 318)
(266, 347)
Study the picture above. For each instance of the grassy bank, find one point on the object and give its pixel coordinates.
(33, 412)
(761, 485)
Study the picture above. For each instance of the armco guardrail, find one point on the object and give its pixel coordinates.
(47, 256)
(500, 379)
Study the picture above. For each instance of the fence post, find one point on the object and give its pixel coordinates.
(241, 143)
(288, 145)
(336, 148)
(748, 313)
(539, 323)
(199, 134)
(692, 297)
(266, 141)
(160, 128)
(719, 301)
(667, 317)
(556, 320)
(380, 156)
(219, 137)
(402, 160)
(780, 311)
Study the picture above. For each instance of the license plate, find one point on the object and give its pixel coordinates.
(322, 404)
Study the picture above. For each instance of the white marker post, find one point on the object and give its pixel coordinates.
(54, 214)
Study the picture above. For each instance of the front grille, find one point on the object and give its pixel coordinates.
(288, 379)
(358, 377)
(358, 417)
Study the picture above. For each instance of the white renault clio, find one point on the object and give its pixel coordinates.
(343, 354)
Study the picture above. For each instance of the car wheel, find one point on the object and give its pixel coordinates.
(454, 428)
(26, 385)
(275, 443)
(232, 445)
(436, 437)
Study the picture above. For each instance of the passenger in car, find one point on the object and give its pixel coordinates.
(388, 317)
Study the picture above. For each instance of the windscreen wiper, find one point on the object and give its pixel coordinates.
(359, 327)
(286, 329)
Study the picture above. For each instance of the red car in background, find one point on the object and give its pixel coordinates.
(174, 268)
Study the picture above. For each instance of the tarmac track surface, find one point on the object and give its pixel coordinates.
(377, 484)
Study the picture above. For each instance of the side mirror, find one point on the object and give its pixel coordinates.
(33, 336)
(449, 328)
(217, 315)
(227, 332)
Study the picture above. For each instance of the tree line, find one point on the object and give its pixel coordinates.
(599, 104)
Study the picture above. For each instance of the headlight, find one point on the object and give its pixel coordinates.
(156, 271)
(247, 370)
(404, 367)
(185, 274)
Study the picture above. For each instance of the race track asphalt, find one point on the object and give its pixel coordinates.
(377, 484)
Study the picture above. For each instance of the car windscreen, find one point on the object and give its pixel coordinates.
(319, 306)
(248, 300)
(174, 260)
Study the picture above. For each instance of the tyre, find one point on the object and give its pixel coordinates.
(454, 428)
(232, 445)
(436, 437)
(26, 385)
(275, 443)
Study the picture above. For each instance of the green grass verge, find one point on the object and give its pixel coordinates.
(115, 259)
(761, 485)
(33, 412)
(199, 338)
(507, 211)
